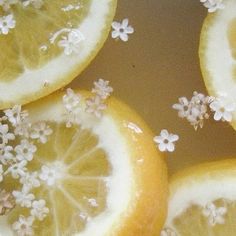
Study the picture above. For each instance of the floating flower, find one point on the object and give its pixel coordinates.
(6, 155)
(222, 111)
(6, 23)
(18, 169)
(30, 180)
(71, 100)
(213, 5)
(6, 202)
(214, 214)
(71, 42)
(102, 88)
(23, 198)
(25, 150)
(39, 209)
(95, 106)
(5, 135)
(15, 115)
(122, 30)
(23, 226)
(166, 141)
(196, 110)
(40, 131)
(35, 3)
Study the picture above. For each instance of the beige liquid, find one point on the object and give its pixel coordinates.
(156, 66)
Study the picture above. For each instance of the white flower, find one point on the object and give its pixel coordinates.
(6, 202)
(23, 226)
(30, 180)
(6, 23)
(168, 232)
(5, 136)
(95, 106)
(121, 30)
(71, 43)
(23, 198)
(25, 150)
(213, 5)
(6, 4)
(40, 131)
(71, 100)
(166, 141)
(102, 88)
(196, 110)
(18, 169)
(39, 210)
(6, 155)
(35, 3)
(222, 111)
(1, 173)
(15, 115)
(214, 214)
(50, 174)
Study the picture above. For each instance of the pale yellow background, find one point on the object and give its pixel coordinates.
(156, 66)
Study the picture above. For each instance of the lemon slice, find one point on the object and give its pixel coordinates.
(202, 200)
(50, 46)
(217, 52)
(110, 178)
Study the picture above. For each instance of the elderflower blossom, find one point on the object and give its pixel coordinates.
(15, 115)
(196, 110)
(6, 202)
(23, 227)
(165, 141)
(6, 155)
(25, 150)
(40, 131)
(39, 209)
(23, 198)
(214, 214)
(5, 135)
(6, 23)
(102, 88)
(96, 106)
(17, 170)
(29, 181)
(222, 110)
(71, 100)
(71, 42)
(213, 5)
(122, 30)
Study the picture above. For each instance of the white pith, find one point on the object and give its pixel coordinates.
(32, 81)
(218, 59)
(120, 182)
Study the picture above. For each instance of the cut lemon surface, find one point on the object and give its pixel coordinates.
(202, 201)
(217, 53)
(109, 178)
(48, 44)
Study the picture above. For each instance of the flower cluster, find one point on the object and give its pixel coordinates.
(213, 5)
(17, 149)
(7, 21)
(122, 30)
(198, 109)
(94, 105)
(215, 215)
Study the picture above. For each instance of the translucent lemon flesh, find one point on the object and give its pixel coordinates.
(80, 193)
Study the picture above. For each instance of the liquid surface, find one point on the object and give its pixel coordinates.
(155, 67)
